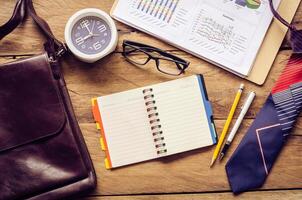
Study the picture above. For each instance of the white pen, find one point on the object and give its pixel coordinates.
(233, 132)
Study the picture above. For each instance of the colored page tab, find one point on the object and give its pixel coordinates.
(102, 144)
(107, 164)
(95, 110)
(99, 125)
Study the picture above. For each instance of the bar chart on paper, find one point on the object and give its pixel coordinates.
(156, 10)
(160, 9)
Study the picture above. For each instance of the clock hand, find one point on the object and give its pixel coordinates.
(92, 27)
(87, 37)
(95, 34)
(90, 33)
(90, 36)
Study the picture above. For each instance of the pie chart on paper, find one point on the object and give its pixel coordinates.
(253, 4)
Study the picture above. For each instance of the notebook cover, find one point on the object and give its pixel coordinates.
(208, 107)
(99, 126)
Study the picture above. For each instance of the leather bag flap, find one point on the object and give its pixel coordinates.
(30, 105)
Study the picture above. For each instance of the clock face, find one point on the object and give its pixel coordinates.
(90, 35)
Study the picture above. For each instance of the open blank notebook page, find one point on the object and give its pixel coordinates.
(155, 121)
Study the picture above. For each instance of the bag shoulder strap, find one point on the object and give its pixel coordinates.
(16, 18)
(53, 46)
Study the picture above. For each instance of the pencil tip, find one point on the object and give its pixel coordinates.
(212, 162)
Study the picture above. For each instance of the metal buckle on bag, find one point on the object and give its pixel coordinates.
(61, 51)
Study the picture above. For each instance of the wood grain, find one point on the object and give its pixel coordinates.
(187, 172)
(183, 173)
(114, 74)
(57, 13)
(271, 195)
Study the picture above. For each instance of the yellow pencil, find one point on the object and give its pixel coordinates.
(227, 124)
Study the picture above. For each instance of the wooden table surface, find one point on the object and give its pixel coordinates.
(183, 176)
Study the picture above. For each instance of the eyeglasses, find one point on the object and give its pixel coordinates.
(141, 54)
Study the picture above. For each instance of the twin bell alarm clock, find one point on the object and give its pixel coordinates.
(91, 34)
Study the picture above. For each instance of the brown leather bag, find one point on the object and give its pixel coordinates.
(42, 151)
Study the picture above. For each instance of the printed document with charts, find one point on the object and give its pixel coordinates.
(227, 33)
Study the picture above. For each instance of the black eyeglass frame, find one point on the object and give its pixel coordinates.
(181, 64)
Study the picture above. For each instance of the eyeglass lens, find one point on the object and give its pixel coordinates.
(138, 55)
(135, 55)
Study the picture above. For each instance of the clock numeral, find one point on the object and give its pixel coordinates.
(102, 28)
(79, 40)
(85, 23)
(97, 45)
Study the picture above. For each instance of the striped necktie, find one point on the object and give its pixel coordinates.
(254, 157)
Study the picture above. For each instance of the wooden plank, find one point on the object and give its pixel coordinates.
(187, 172)
(57, 13)
(271, 195)
(114, 74)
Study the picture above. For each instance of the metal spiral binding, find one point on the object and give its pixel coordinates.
(157, 133)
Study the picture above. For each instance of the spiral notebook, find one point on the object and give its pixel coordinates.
(154, 121)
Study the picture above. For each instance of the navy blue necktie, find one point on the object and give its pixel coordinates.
(253, 159)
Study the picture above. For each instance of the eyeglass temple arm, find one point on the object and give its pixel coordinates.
(278, 16)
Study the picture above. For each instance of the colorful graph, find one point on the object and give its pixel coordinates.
(160, 9)
(252, 4)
